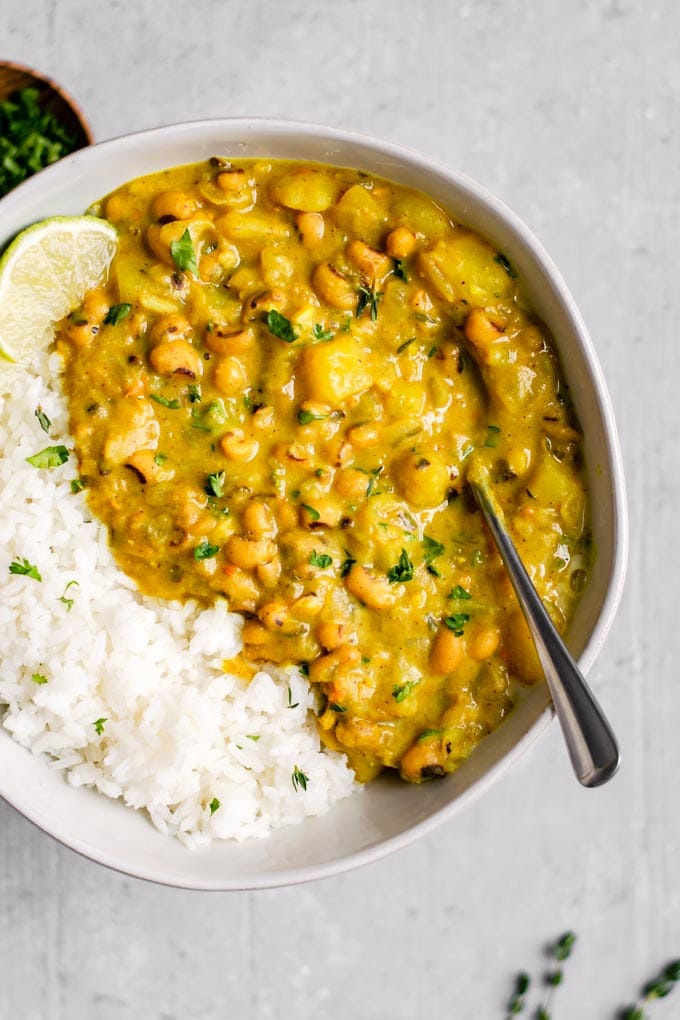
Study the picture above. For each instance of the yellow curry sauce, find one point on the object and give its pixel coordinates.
(276, 398)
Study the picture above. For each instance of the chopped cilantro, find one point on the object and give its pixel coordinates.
(253, 736)
(347, 565)
(407, 343)
(299, 779)
(457, 622)
(504, 262)
(205, 551)
(99, 725)
(291, 703)
(432, 549)
(160, 459)
(492, 433)
(368, 298)
(305, 417)
(194, 393)
(214, 805)
(38, 678)
(77, 485)
(400, 270)
(401, 691)
(26, 569)
(314, 514)
(183, 253)
(402, 571)
(117, 313)
(321, 560)
(45, 423)
(322, 334)
(50, 457)
(172, 405)
(68, 602)
(214, 484)
(459, 593)
(280, 326)
(30, 138)
(335, 707)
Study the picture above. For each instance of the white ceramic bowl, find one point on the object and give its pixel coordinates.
(387, 814)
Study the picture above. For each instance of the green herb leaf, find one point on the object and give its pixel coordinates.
(492, 434)
(77, 485)
(194, 393)
(214, 484)
(432, 549)
(50, 457)
(172, 405)
(68, 602)
(38, 678)
(183, 253)
(205, 551)
(564, 946)
(280, 326)
(292, 704)
(299, 779)
(214, 805)
(402, 571)
(321, 560)
(253, 736)
(160, 459)
(368, 298)
(401, 691)
(400, 270)
(373, 480)
(459, 593)
(117, 313)
(305, 417)
(335, 707)
(45, 423)
(407, 343)
(26, 569)
(314, 514)
(457, 622)
(322, 334)
(99, 725)
(304, 668)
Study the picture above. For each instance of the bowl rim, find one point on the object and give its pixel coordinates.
(619, 523)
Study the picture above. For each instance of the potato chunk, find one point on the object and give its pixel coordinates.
(306, 190)
(332, 372)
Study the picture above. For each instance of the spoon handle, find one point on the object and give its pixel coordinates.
(591, 743)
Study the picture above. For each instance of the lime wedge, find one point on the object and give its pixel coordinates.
(45, 274)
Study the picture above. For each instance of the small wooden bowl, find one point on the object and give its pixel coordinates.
(51, 97)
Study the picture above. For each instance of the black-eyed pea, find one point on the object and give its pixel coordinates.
(351, 484)
(229, 376)
(254, 633)
(160, 238)
(146, 467)
(423, 760)
(286, 514)
(308, 607)
(311, 226)
(373, 264)
(116, 208)
(480, 329)
(248, 553)
(331, 634)
(176, 357)
(484, 643)
(326, 668)
(447, 652)
(231, 181)
(81, 333)
(322, 512)
(400, 243)
(174, 326)
(258, 520)
(232, 342)
(237, 446)
(276, 617)
(269, 573)
(374, 592)
(263, 419)
(242, 591)
(173, 205)
(96, 306)
(333, 288)
(423, 479)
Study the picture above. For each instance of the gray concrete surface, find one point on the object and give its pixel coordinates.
(568, 112)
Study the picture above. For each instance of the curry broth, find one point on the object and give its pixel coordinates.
(275, 400)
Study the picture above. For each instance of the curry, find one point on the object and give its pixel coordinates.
(275, 400)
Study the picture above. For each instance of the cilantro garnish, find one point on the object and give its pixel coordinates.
(368, 298)
(172, 405)
(183, 253)
(30, 138)
(24, 568)
(457, 622)
(214, 484)
(280, 326)
(299, 779)
(117, 313)
(50, 457)
(38, 678)
(214, 805)
(99, 725)
(401, 691)
(205, 551)
(320, 333)
(321, 560)
(45, 423)
(402, 571)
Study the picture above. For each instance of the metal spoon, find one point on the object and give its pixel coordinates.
(591, 743)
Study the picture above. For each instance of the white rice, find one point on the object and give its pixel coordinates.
(178, 730)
